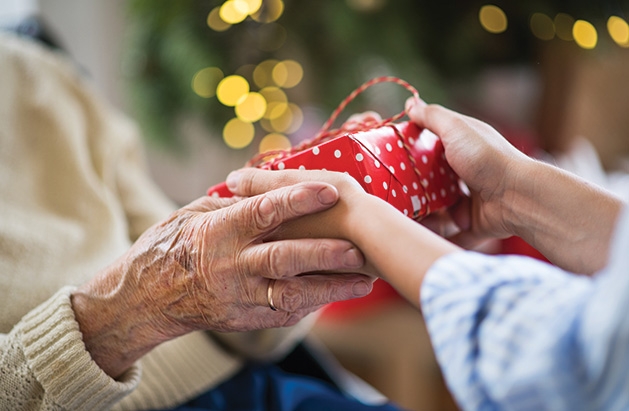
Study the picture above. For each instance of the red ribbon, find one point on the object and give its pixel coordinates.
(326, 134)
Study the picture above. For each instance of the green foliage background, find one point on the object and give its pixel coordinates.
(427, 43)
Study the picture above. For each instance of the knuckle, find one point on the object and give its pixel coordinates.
(292, 298)
(264, 213)
(280, 259)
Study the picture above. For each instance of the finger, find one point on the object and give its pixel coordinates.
(434, 117)
(263, 213)
(206, 204)
(310, 292)
(251, 181)
(289, 258)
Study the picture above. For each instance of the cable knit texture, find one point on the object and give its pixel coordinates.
(74, 194)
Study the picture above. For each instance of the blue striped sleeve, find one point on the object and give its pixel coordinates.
(514, 333)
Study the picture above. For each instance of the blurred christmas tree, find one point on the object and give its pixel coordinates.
(270, 67)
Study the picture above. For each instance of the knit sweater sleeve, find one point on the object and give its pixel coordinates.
(44, 364)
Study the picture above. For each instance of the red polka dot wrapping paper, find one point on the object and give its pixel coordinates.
(399, 163)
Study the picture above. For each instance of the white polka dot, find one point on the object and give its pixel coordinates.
(359, 157)
(215, 194)
(392, 170)
(376, 163)
(400, 144)
(385, 185)
(403, 166)
(424, 159)
(281, 165)
(411, 141)
(368, 179)
(405, 189)
(442, 171)
(443, 192)
(433, 196)
(393, 193)
(388, 147)
(405, 211)
(377, 150)
(424, 183)
(337, 153)
(315, 151)
(423, 200)
(432, 175)
(452, 188)
(415, 187)
(302, 167)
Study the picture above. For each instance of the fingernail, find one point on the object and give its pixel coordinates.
(361, 288)
(327, 196)
(353, 258)
(232, 180)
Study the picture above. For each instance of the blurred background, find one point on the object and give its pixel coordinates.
(213, 82)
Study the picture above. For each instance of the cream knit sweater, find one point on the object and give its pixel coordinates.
(74, 193)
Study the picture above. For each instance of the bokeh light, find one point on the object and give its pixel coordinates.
(585, 34)
(270, 11)
(287, 73)
(263, 73)
(204, 82)
(234, 11)
(215, 22)
(238, 134)
(253, 6)
(231, 89)
(274, 97)
(542, 26)
(493, 19)
(618, 30)
(251, 108)
(288, 121)
(563, 26)
(274, 141)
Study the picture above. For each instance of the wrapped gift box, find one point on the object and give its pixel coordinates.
(400, 163)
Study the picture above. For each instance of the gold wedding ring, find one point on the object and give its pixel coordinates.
(269, 295)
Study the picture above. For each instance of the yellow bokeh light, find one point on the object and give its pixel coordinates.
(289, 121)
(584, 34)
(276, 109)
(263, 73)
(275, 98)
(274, 141)
(253, 6)
(234, 11)
(231, 89)
(270, 11)
(618, 30)
(563, 26)
(493, 19)
(205, 81)
(542, 26)
(238, 134)
(274, 94)
(287, 73)
(251, 108)
(215, 22)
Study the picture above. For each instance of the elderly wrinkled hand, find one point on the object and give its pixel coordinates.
(211, 266)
